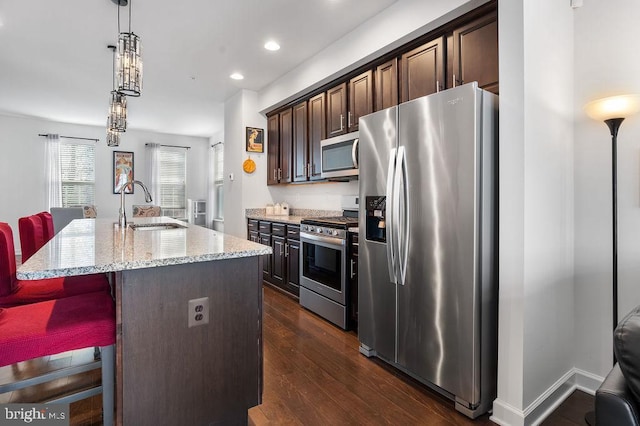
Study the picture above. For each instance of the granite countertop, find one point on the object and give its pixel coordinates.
(296, 215)
(291, 220)
(88, 246)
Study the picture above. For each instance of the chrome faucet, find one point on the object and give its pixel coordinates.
(122, 216)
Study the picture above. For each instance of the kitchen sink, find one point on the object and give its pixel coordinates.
(155, 226)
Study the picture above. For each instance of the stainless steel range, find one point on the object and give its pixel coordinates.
(325, 266)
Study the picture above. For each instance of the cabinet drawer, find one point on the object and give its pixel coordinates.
(293, 232)
(253, 225)
(278, 229)
(265, 227)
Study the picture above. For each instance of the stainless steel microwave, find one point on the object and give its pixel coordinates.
(339, 156)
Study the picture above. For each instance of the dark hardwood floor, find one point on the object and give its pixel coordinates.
(313, 375)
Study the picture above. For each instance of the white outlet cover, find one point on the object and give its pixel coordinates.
(198, 312)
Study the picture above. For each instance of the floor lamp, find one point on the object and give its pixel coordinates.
(613, 110)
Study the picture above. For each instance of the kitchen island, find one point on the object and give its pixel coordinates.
(165, 275)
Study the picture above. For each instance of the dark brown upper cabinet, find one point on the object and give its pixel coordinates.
(273, 148)
(317, 132)
(360, 99)
(300, 152)
(423, 70)
(337, 110)
(280, 139)
(286, 141)
(386, 85)
(475, 53)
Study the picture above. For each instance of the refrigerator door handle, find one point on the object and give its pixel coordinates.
(403, 214)
(354, 152)
(390, 206)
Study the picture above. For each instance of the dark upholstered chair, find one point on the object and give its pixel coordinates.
(56, 326)
(15, 292)
(618, 398)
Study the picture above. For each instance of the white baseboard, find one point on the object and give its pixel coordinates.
(505, 414)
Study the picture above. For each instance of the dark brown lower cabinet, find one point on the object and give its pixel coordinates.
(267, 258)
(282, 268)
(293, 266)
(278, 270)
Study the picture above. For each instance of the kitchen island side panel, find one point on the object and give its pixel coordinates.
(172, 374)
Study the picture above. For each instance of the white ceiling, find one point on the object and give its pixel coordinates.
(54, 61)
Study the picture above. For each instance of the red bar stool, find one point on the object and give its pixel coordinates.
(56, 326)
(15, 292)
(31, 235)
(36, 231)
(47, 225)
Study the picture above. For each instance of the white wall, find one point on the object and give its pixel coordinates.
(22, 164)
(401, 22)
(245, 190)
(536, 328)
(606, 63)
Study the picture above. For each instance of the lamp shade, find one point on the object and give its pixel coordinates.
(621, 106)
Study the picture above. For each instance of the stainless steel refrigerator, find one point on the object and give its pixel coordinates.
(427, 263)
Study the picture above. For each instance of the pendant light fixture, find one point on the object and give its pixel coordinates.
(113, 138)
(129, 59)
(117, 118)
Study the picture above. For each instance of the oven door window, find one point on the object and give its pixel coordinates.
(323, 265)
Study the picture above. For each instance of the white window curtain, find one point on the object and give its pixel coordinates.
(216, 180)
(52, 171)
(153, 172)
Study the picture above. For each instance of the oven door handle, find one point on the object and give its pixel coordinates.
(323, 239)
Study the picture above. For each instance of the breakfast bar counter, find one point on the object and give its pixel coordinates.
(188, 315)
(89, 246)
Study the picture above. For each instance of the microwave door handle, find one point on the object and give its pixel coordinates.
(354, 153)
(389, 219)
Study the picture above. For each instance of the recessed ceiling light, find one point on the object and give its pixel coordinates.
(237, 76)
(272, 45)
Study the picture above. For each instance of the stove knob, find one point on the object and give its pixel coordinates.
(312, 229)
(335, 232)
(319, 230)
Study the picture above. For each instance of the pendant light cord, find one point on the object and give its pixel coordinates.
(113, 66)
(130, 16)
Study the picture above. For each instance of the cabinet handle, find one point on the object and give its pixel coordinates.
(349, 119)
(279, 174)
(275, 177)
(341, 122)
(286, 250)
(437, 86)
(353, 274)
(454, 80)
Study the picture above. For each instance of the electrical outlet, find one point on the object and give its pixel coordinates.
(198, 312)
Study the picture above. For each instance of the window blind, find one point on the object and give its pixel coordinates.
(77, 166)
(172, 188)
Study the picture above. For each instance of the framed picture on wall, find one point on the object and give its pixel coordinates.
(122, 171)
(255, 139)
